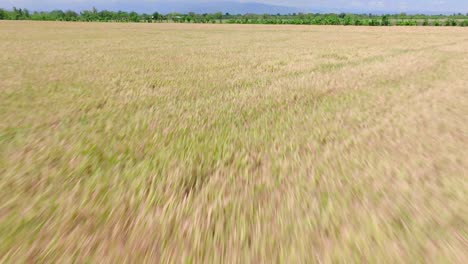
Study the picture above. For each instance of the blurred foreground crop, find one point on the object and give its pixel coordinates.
(232, 143)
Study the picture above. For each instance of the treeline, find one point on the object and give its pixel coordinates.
(355, 19)
(295, 18)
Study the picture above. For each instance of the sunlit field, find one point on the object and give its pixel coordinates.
(233, 143)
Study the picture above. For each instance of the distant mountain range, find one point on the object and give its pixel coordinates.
(225, 7)
(164, 7)
(184, 6)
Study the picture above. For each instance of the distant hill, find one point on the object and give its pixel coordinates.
(226, 7)
(230, 6)
(167, 7)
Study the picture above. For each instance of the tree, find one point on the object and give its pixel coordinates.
(134, 17)
(348, 20)
(219, 16)
(385, 21)
(90, 15)
(71, 15)
(105, 15)
(146, 18)
(57, 15)
(122, 16)
(156, 16)
(26, 14)
(17, 13)
(3, 14)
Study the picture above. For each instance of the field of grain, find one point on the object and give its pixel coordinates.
(232, 143)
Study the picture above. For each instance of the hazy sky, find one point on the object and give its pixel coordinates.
(361, 5)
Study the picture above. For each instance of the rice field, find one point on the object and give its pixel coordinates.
(170, 143)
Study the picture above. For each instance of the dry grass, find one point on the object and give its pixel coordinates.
(232, 143)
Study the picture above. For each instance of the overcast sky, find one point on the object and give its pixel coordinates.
(306, 5)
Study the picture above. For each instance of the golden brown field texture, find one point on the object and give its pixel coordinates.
(233, 143)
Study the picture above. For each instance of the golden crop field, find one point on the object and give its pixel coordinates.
(233, 143)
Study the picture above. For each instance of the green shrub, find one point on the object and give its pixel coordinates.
(450, 22)
(347, 20)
